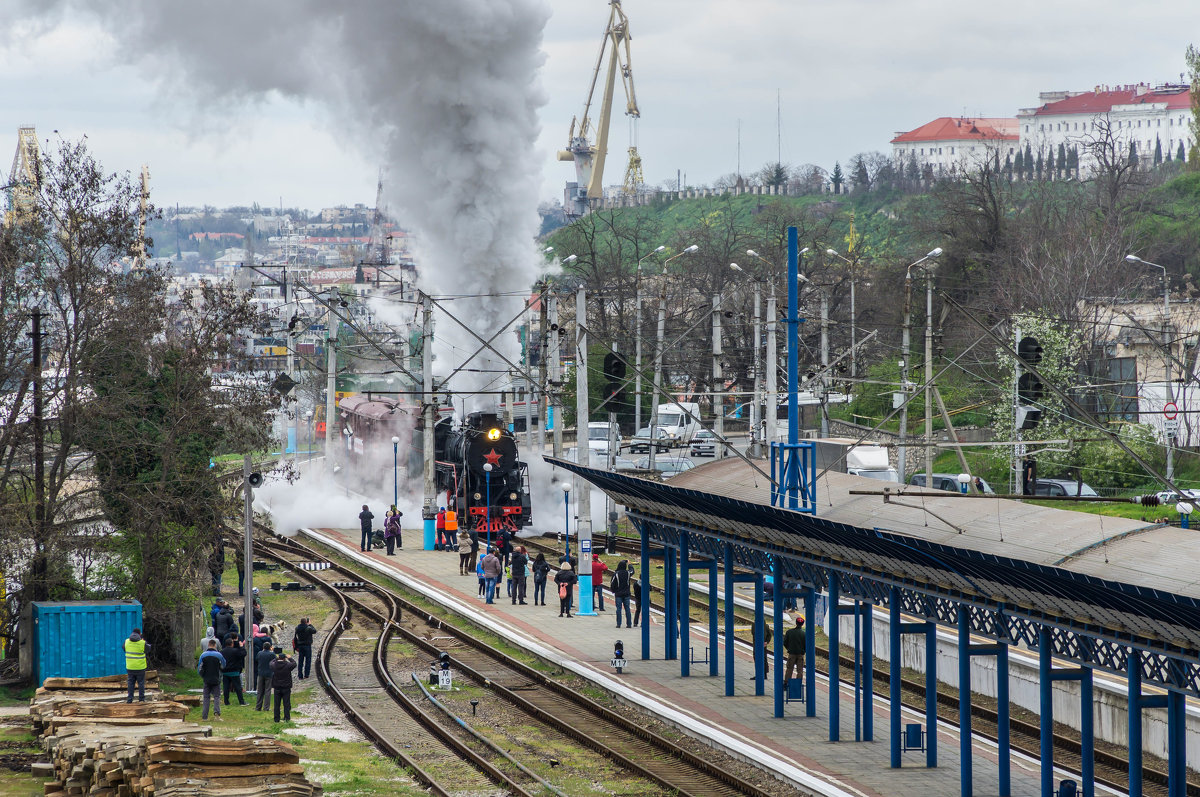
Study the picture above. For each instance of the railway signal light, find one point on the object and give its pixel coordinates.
(1030, 389)
(444, 660)
(618, 659)
(1029, 350)
(614, 374)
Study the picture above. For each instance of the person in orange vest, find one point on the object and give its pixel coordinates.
(440, 528)
(451, 523)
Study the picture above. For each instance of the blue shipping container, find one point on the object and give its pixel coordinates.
(81, 639)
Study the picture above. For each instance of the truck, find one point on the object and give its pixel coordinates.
(845, 455)
(679, 425)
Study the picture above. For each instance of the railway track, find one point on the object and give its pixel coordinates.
(618, 738)
(1111, 770)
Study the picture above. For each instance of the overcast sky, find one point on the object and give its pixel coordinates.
(850, 74)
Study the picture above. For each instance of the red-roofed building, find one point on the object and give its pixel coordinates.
(1149, 116)
(948, 145)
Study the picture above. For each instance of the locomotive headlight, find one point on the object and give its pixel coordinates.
(493, 434)
(478, 496)
(512, 496)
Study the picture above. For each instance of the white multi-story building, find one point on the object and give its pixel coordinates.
(1149, 116)
(949, 145)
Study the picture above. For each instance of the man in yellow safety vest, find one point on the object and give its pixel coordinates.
(136, 650)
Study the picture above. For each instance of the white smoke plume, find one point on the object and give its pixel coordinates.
(444, 94)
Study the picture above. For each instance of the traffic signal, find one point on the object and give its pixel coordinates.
(614, 377)
(444, 660)
(1030, 389)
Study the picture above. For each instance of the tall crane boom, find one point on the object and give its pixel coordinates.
(589, 157)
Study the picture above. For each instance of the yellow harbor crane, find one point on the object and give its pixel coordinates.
(25, 177)
(588, 157)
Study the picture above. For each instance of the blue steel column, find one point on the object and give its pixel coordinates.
(793, 364)
(894, 666)
(714, 635)
(1002, 723)
(964, 701)
(1087, 732)
(777, 635)
(685, 609)
(835, 718)
(810, 652)
(1133, 677)
(671, 600)
(644, 602)
(1046, 718)
(858, 671)
(868, 646)
(931, 681)
(729, 660)
(760, 637)
(1176, 744)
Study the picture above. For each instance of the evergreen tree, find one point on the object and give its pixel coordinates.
(1179, 153)
(862, 179)
(1019, 165)
(837, 178)
(1050, 167)
(912, 172)
(1167, 155)
(1073, 163)
(1028, 161)
(1040, 165)
(1158, 158)
(1008, 165)
(1133, 154)
(1061, 162)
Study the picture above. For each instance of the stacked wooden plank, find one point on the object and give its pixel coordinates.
(99, 745)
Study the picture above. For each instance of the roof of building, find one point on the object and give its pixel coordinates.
(1094, 102)
(949, 128)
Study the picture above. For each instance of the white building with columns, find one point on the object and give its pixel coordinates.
(1149, 116)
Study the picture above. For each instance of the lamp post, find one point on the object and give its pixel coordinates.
(487, 512)
(771, 365)
(637, 357)
(853, 316)
(395, 471)
(566, 488)
(905, 345)
(658, 351)
(756, 404)
(1166, 352)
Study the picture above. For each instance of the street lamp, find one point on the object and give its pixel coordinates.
(637, 366)
(566, 488)
(395, 471)
(487, 512)
(1166, 350)
(658, 350)
(756, 404)
(935, 253)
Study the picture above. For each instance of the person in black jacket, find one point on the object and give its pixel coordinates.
(302, 641)
(621, 591)
(281, 682)
(235, 660)
(224, 621)
(565, 579)
(262, 672)
(364, 523)
(519, 560)
(210, 666)
(540, 570)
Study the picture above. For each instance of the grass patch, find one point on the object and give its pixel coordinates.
(16, 695)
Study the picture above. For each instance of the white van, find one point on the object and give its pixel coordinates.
(600, 434)
(679, 425)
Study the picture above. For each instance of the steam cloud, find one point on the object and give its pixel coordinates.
(444, 94)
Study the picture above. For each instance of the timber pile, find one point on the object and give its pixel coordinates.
(99, 745)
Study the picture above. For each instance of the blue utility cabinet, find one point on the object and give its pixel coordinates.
(76, 639)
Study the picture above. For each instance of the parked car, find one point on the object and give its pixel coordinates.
(640, 444)
(667, 466)
(1166, 497)
(1054, 487)
(704, 444)
(949, 481)
(599, 433)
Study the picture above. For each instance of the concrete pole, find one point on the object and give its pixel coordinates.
(554, 398)
(429, 513)
(543, 392)
(583, 500)
(291, 436)
(905, 354)
(824, 363)
(756, 404)
(771, 367)
(528, 384)
(637, 357)
(928, 378)
(248, 561)
(331, 321)
(718, 379)
(658, 366)
(853, 331)
(1171, 438)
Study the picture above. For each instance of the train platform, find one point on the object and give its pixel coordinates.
(796, 748)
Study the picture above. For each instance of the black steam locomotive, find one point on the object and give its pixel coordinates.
(462, 455)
